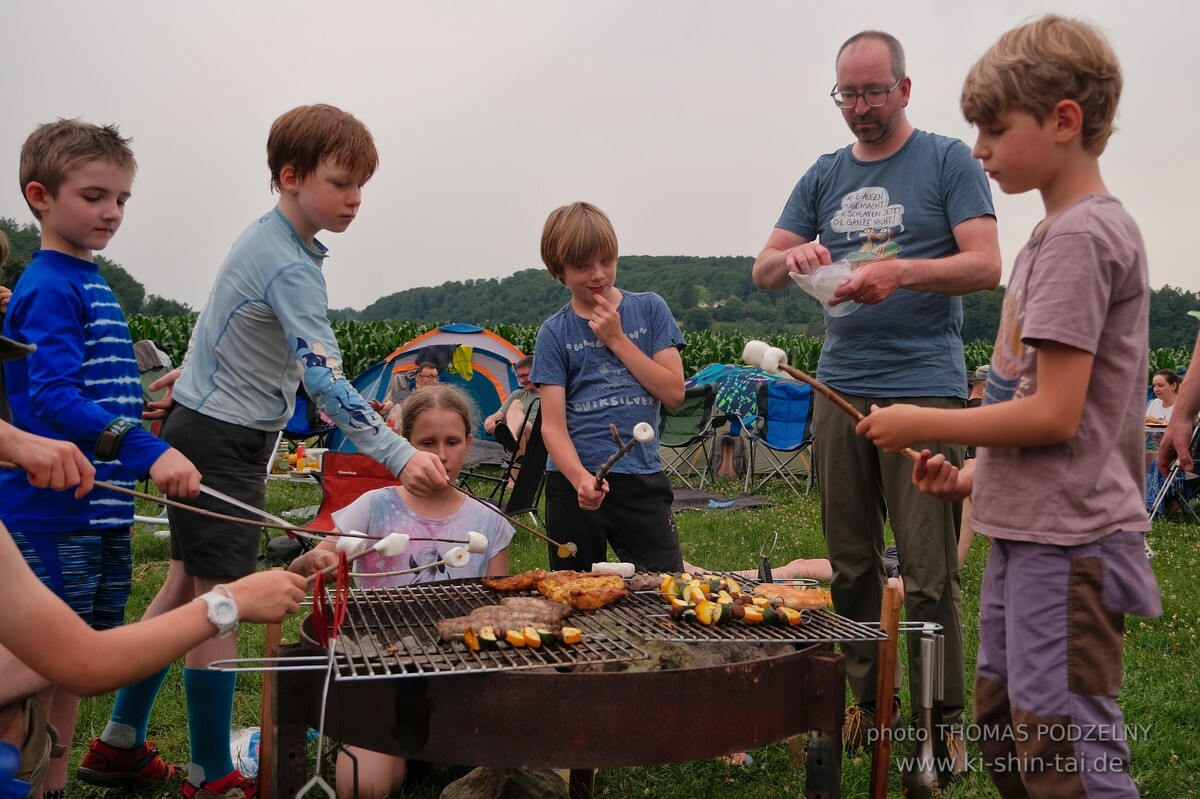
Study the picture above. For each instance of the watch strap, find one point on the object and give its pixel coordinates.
(110, 438)
(220, 596)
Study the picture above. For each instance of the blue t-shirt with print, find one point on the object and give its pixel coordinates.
(600, 389)
(902, 206)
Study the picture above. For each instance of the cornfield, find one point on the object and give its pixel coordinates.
(365, 343)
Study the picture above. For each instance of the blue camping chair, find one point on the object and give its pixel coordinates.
(782, 432)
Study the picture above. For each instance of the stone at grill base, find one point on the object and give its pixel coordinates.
(502, 783)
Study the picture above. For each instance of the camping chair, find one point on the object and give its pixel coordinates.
(531, 477)
(1182, 487)
(782, 433)
(688, 434)
(510, 464)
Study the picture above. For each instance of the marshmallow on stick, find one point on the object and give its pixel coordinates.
(774, 360)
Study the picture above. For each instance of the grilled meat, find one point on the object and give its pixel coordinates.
(582, 590)
(525, 581)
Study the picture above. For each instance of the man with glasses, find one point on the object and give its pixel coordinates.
(913, 214)
(509, 423)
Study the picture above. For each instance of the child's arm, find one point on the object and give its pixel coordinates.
(1049, 416)
(562, 451)
(498, 565)
(661, 375)
(47, 636)
(48, 463)
(1177, 440)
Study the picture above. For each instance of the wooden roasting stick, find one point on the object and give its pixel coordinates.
(642, 432)
(885, 690)
(771, 359)
(564, 550)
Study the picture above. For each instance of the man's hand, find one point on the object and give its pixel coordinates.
(939, 478)
(175, 476)
(48, 463)
(869, 284)
(157, 409)
(424, 473)
(1177, 442)
(605, 322)
(804, 258)
(489, 424)
(381, 408)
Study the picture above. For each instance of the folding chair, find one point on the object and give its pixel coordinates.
(782, 433)
(688, 433)
(1183, 487)
(531, 478)
(510, 464)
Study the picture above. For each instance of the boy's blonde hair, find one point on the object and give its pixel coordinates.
(442, 396)
(1034, 67)
(306, 136)
(574, 234)
(56, 149)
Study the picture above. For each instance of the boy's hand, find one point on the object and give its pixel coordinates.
(175, 476)
(606, 322)
(590, 497)
(939, 478)
(313, 561)
(49, 463)
(889, 427)
(157, 409)
(268, 596)
(424, 473)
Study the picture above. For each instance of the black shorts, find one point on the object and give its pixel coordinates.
(232, 459)
(635, 519)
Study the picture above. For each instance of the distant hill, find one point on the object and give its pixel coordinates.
(705, 294)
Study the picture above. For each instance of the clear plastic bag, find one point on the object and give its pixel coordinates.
(823, 281)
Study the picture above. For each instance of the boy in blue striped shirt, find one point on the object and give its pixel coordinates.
(80, 385)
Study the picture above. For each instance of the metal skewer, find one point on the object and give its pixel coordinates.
(567, 550)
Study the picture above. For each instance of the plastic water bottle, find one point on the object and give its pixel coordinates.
(10, 763)
(243, 749)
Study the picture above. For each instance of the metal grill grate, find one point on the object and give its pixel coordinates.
(393, 632)
(646, 614)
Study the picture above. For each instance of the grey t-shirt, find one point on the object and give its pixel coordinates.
(1082, 281)
(902, 206)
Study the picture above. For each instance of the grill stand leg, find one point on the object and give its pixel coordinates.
(287, 765)
(823, 699)
(582, 784)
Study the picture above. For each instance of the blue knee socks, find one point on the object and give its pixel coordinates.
(210, 714)
(131, 713)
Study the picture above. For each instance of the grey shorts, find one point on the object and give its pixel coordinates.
(232, 459)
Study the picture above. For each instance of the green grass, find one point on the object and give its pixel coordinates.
(1160, 689)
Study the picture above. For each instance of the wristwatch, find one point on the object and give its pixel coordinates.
(222, 610)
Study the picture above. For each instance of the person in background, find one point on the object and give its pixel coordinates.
(608, 357)
(1165, 385)
(914, 214)
(1060, 428)
(264, 331)
(5, 296)
(512, 422)
(437, 419)
(401, 387)
(1177, 440)
(79, 385)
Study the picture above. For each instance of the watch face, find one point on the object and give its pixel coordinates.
(224, 612)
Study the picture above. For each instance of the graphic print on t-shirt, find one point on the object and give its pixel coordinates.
(869, 214)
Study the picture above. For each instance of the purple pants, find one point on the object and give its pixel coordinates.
(1051, 627)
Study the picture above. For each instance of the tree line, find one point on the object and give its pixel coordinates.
(714, 293)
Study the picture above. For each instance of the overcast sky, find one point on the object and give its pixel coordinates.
(688, 122)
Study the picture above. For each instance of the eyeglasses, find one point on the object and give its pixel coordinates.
(430, 376)
(875, 98)
(523, 378)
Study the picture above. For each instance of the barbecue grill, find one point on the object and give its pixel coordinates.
(398, 689)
